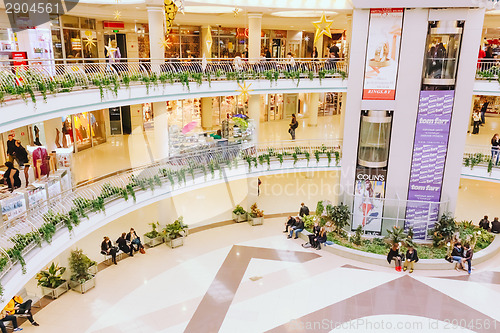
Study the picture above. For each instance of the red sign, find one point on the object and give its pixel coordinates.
(19, 58)
(114, 24)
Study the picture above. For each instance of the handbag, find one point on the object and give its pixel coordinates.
(142, 250)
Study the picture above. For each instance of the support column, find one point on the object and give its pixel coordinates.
(319, 47)
(156, 34)
(161, 148)
(206, 113)
(254, 36)
(205, 51)
(312, 109)
(254, 113)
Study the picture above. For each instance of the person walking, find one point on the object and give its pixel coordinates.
(293, 126)
(476, 118)
(304, 210)
(484, 108)
(495, 148)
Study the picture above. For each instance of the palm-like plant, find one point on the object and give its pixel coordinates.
(51, 278)
(340, 216)
(395, 235)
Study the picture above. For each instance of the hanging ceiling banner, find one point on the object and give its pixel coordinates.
(382, 53)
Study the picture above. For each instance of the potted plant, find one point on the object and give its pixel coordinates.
(174, 233)
(51, 281)
(153, 237)
(256, 216)
(81, 278)
(239, 214)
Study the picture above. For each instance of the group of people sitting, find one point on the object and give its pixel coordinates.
(461, 255)
(16, 307)
(485, 224)
(409, 259)
(127, 243)
(296, 224)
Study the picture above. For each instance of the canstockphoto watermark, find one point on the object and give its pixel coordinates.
(27, 14)
(363, 324)
(296, 187)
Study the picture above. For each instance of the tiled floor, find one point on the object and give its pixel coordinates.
(239, 278)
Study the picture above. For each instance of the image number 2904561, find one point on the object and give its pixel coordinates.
(28, 14)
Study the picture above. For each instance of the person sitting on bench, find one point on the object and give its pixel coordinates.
(108, 249)
(5, 317)
(124, 246)
(135, 240)
(16, 306)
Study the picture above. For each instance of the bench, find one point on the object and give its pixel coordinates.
(108, 258)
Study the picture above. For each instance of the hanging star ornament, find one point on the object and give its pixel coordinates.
(322, 28)
(244, 90)
(118, 15)
(236, 11)
(110, 49)
(209, 40)
(166, 43)
(170, 8)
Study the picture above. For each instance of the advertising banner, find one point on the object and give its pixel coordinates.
(382, 53)
(429, 156)
(368, 200)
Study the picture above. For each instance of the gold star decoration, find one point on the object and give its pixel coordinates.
(322, 28)
(236, 11)
(166, 43)
(111, 50)
(244, 90)
(118, 14)
(89, 39)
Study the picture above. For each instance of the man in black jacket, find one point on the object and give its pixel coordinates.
(303, 210)
(495, 226)
(484, 223)
(11, 148)
(298, 227)
(122, 245)
(290, 222)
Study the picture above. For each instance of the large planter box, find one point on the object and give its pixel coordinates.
(240, 217)
(55, 292)
(255, 220)
(82, 288)
(93, 270)
(173, 243)
(152, 242)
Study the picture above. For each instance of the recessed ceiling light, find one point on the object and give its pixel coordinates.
(303, 13)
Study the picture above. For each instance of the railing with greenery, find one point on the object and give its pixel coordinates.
(488, 69)
(38, 226)
(480, 155)
(46, 77)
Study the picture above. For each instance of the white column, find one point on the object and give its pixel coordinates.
(471, 39)
(319, 47)
(254, 113)
(206, 113)
(161, 149)
(312, 109)
(361, 19)
(406, 108)
(156, 34)
(254, 35)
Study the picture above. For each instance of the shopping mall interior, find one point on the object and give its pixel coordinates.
(250, 166)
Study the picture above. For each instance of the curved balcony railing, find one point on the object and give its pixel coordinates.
(481, 155)
(488, 69)
(45, 77)
(38, 225)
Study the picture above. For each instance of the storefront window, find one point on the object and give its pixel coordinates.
(190, 46)
(71, 22)
(143, 41)
(73, 43)
(89, 129)
(89, 41)
(57, 42)
(173, 50)
(87, 23)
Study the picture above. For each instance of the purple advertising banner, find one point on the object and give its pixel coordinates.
(429, 156)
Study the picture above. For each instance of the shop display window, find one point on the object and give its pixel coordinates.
(89, 129)
(73, 43)
(147, 116)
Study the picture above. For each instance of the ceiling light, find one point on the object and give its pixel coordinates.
(303, 13)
